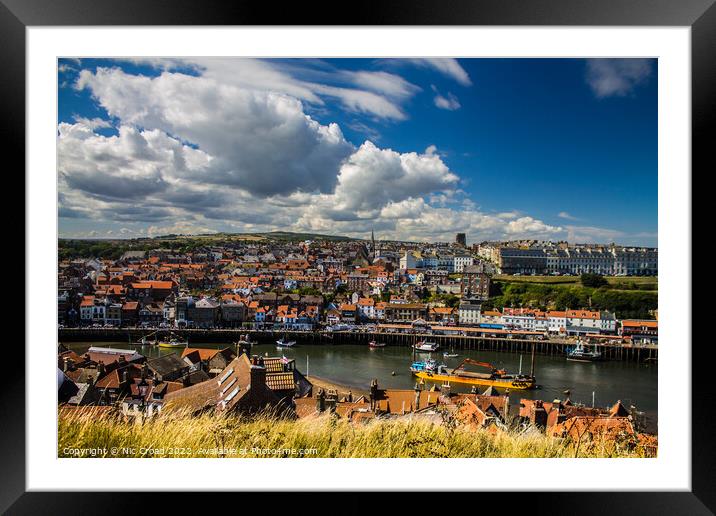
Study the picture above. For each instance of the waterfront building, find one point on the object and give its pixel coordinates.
(519, 318)
(443, 314)
(405, 312)
(581, 322)
(491, 317)
(232, 313)
(640, 331)
(349, 313)
(469, 312)
(113, 314)
(557, 322)
(366, 305)
(607, 322)
(204, 313)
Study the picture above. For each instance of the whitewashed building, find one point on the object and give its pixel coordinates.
(469, 313)
(462, 261)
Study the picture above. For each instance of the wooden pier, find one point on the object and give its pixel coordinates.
(624, 352)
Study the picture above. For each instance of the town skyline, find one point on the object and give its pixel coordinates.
(327, 236)
(416, 150)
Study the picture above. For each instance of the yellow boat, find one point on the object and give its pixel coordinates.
(510, 382)
(499, 378)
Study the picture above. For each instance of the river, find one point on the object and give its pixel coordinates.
(632, 383)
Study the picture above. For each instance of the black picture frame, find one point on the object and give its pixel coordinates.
(700, 15)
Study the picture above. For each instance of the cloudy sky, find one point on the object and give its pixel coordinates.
(416, 149)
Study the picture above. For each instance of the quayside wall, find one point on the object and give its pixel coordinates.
(514, 345)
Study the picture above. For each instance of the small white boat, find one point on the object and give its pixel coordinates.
(283, 342)
(373, 344)
(450, 355)
(424, 345)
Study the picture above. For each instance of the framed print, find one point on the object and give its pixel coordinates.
(423, 252)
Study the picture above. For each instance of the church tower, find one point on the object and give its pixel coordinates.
(373, 250)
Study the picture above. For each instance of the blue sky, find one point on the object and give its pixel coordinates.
(417, 149)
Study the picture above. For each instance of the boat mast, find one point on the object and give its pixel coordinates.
(532, 366)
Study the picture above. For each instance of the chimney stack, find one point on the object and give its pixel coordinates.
(320, 401)
(258, 375)
(373, 392)
(332, 401)
(100, 368)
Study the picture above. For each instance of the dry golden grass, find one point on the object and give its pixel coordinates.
(180, 435)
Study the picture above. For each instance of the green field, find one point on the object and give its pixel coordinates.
(616, 282)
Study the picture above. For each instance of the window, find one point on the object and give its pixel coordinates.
(232, 394)
(223, 378)
(228, 386)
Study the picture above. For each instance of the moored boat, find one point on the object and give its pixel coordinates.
(582, 354)
(424, 365)
(173, 343)
(496, 377)
(373, 344)
(283, 342)
(424, 345)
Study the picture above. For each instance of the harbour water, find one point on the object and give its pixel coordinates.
(356, 365)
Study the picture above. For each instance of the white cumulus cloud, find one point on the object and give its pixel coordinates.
(617, 77)
(230, 147)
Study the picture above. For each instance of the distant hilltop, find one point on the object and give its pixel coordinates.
(271, 235)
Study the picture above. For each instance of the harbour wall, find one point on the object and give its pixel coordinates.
(630, 353)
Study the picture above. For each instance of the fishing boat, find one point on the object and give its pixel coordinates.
(424, 345)
(582, 354)
(373, 344)
(496, 377)
(424, 365)
(283, 342)
(173, 342)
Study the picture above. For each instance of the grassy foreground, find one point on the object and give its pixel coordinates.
(92, 435)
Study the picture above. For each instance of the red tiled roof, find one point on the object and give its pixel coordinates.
(203, 353)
